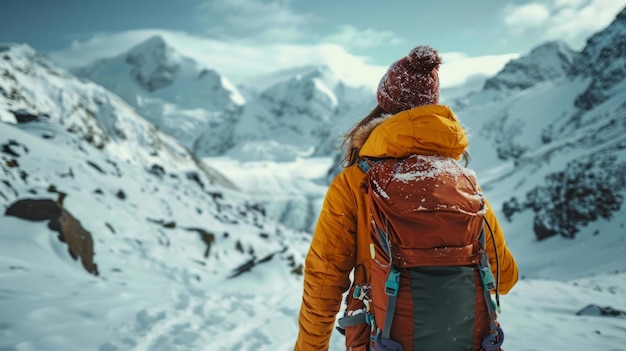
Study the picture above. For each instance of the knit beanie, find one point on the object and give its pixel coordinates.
(411, 81)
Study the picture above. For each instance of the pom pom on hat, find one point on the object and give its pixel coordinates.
(411, 81)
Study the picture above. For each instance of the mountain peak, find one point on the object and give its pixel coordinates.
(154, 43)
(604, 49)
(603, 60)
(545, 62)
(155, 65)
(551, 46)
(323, 74)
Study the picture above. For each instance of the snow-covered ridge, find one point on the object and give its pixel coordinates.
(546, 62)
(34, 89)
(203, 110)
(603, 61)
(153, 68)
(182, 97)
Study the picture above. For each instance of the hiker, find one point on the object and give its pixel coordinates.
(407, 122)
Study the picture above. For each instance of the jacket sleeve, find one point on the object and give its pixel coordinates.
(505, 263)
(328, 264)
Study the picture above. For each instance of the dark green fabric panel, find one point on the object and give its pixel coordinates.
(444, 303)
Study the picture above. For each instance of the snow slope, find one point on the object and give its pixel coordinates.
(172, 256)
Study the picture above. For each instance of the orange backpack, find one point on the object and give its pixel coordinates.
(430, 276)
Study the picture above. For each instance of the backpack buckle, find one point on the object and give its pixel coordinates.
(487, 278)
(392, 285)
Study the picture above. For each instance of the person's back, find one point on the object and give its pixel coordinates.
(413, 125)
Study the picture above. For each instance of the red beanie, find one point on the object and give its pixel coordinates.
(411, 81)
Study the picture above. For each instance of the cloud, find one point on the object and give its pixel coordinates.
(100, 45)
(352, 37)
(573, 21)
(254, 20)
(245, 63)
(457, 68)
(240, 62)
(527, 16)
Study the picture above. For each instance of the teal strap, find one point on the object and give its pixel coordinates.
(488, 281)
(363, 165)
(486, 276)
(392, 286)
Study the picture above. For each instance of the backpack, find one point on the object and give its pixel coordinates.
(430, 277)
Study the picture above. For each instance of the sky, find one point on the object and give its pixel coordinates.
(243, 37)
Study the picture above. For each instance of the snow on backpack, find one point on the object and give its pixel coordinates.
(430, 276)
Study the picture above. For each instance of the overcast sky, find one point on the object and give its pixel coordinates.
(480, 35)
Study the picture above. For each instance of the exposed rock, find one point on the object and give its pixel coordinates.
(207, 237)
(79, 241)
(604, 61)
(253, 262)
(35, 209)
(595, 310)
(588, 189)
(24, 116)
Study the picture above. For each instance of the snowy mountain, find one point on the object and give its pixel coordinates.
(603, 61)
(295, 116)
(176, 93)
(33, 90)
(300, 116)
(546, 62)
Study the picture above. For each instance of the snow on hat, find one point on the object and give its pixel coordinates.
(411, 81)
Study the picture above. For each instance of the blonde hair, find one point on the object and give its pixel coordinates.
(352, 151)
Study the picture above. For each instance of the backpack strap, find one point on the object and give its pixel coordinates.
(495, 250)
(363, 165)
(486, 275)
(493, 340)
(392, 286)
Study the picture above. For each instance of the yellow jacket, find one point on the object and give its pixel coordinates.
(341, 238)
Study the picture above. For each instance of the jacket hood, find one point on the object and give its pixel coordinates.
(424, 130)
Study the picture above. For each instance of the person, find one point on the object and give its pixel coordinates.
(407, 120)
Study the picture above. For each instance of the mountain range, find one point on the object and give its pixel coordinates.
(211, 117)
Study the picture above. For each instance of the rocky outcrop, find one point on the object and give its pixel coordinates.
(603, 61)
(587, 190)
(79, 241)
